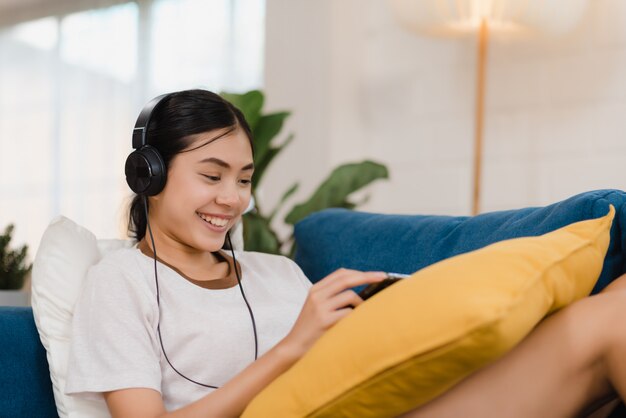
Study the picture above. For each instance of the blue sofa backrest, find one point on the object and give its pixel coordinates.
(334, 238)
(25, 386)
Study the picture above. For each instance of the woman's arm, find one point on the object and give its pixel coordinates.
(325, 305)
(228, 401)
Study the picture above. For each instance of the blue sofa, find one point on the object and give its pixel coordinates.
(326, 241)
(25, 386)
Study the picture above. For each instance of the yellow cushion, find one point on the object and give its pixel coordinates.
(422, 335)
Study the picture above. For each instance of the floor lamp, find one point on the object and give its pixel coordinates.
(479, 18)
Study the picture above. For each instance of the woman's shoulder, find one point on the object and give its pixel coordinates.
(263, 258)
(117, 282)
(120, 258)
(278, 267)
(119, 267)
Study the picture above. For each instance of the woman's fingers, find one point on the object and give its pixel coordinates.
(340, 282)
(326, 281)
(329, 301)
(344, 299)
(340, 314)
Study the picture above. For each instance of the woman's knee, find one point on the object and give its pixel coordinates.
(605, 313)
(589, 325)
(619, 284)
(614, 333)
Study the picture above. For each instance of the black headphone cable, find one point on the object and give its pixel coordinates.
(156, 280)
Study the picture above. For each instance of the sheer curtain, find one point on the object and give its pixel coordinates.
(72, 85)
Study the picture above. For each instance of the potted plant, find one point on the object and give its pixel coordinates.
(13, 271)
(334, 191)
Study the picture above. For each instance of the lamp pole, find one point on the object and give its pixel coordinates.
(431, 17)
(483, 39)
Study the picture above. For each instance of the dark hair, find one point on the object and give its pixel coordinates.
(176, 118)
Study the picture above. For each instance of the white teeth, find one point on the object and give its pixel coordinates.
(213, 220)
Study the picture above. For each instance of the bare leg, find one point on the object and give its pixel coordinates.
(571, 361)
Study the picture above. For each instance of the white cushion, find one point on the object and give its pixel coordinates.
(65, 253)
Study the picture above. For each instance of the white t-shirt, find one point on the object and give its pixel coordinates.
(207, 333)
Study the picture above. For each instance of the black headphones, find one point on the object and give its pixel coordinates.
(146, 175)
(145, 169)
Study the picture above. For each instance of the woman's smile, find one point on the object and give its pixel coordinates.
(214, 223)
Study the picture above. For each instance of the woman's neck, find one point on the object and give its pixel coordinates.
(173, 252)
(207, 269)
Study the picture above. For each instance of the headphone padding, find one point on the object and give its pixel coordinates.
(145, 170)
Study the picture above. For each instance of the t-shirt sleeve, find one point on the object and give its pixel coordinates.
(113, 342)
(301, 277)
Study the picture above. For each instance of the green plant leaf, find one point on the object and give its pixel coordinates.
(265, 131)
(261, 164)
(258, 235)
(250, 104)
(334, 191)
(13, 265)
(282, 200)
(292, 249)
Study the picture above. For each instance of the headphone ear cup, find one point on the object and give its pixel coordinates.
(145, 171)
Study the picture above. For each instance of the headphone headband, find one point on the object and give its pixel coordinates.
(145, 169)
(143, 121)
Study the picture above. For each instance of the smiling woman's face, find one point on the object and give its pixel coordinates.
(207, 190)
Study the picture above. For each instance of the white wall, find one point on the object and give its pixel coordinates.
(362, 87)
(298, 78)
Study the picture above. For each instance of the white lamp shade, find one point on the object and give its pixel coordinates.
(453, 16)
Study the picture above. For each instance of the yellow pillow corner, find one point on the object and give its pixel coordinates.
(421, 336)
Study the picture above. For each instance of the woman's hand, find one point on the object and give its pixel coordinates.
(328, 301)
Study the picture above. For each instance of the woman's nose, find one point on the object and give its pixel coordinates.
(228, 195)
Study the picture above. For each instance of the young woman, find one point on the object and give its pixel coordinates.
(177, 326)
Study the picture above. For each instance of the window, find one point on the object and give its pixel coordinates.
(71, 87)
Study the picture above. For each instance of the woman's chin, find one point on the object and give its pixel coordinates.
(209, 244)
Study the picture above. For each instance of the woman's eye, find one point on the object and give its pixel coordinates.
(212, 178)
(246, 182)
